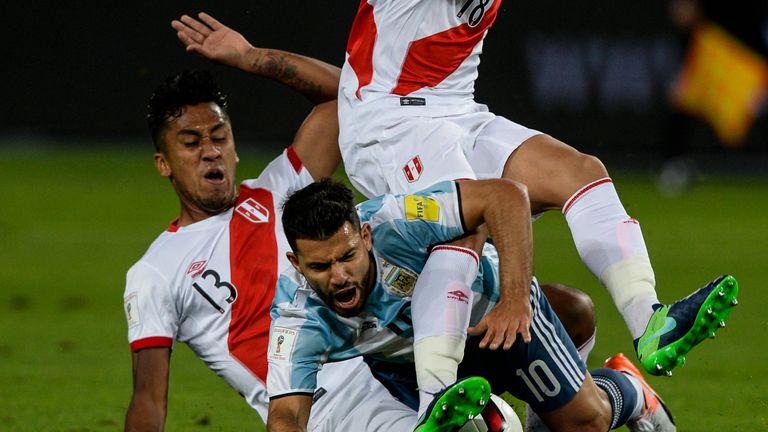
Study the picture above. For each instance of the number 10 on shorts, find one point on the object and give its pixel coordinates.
(539, 379)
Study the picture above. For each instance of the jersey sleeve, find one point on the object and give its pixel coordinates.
(410, 224)
(149, 309)
(298, 343)
(283, 175)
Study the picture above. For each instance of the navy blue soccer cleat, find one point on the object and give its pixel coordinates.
(675, 329)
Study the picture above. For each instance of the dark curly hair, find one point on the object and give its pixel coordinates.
(178, 91)
(318, 211)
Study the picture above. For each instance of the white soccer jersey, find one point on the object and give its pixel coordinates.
(407, 115)
(210, 284)
(306, 333)
(415, 48)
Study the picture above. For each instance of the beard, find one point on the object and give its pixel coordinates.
(212, 204)
(218, 203)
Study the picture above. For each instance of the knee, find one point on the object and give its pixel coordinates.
(590, 167)
(575, 310)
(583, 308)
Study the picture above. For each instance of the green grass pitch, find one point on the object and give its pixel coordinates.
(72, 222)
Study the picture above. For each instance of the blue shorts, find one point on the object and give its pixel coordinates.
(546, 373)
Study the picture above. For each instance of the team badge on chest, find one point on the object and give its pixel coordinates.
(397, 280)
(253, 211)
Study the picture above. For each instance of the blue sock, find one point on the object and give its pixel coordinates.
(621, 393)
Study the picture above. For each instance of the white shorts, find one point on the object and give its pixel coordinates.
(349, 398)
(388, 149)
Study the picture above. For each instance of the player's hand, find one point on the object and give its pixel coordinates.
(502, 324)
(211, 39)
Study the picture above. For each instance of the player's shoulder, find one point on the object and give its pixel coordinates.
(168, 243)
(165, 252)
(282, 175)
(291, 294)
(155, 249)
(297, 303)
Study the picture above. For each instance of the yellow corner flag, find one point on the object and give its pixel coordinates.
(723, 81)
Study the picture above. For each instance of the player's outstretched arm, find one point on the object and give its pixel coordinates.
(289, 413)
(316, 142)
(316, 80)
(504, 207)
(150, 390)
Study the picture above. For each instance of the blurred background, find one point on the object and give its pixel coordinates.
(599, 75)
(669, 94)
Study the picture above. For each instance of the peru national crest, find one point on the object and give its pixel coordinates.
(413, 169)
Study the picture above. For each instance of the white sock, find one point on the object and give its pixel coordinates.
(444, 353)
(586, 348)
(611, 245)
(440, 307)
(628, 282)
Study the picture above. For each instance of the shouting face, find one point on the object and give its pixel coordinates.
(200, 159)
(339, 269)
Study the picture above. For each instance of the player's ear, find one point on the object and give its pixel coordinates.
(294, 260)
(161, 164)
(365, 233)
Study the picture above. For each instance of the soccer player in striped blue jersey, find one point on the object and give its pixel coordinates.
(350, 296)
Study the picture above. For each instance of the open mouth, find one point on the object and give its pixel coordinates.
(347, 298)
(214, 175)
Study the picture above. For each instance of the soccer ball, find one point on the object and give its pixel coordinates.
(497, 416)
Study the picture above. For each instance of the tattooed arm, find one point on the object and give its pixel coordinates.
(316, 141)
(316, 80)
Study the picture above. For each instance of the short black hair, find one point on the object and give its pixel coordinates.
(318, 211)
(187, 88)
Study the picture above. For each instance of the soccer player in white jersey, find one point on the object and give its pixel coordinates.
(359, 268)
(408, 119)
(209, 279)
(184, 288)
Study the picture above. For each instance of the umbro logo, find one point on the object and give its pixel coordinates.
(196, 268)
(458, 295)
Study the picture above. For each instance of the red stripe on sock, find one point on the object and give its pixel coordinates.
(458, 249)
(584, 190)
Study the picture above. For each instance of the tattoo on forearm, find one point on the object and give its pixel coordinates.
(276, 67)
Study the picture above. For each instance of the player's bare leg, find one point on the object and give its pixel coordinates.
(590, 410)
(611, 244)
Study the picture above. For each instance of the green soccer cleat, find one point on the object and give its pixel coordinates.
(675, 329)
(455, 405)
